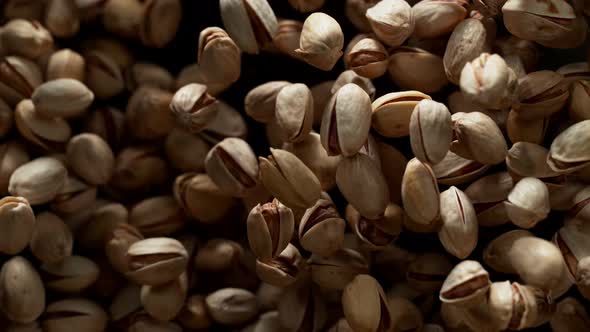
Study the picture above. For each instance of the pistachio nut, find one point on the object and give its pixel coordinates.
(194, 73)
(430, 131)
(394, 162)
(287, 38)
(194, 107)
(459, 230)
(362, 183)
(528, 202)
(526, 50)
(75, 196)
(467, 42)
(86, 315)
(294, 111)
(428, 271)
(232, 306)
(365, 306)
(321, 229)
(350, 76)
(392, 112)
(406, 316)
(302, 308)
(164, 302)
(583, 277)
(468, 282)
(540, 94)
(489, 82)
(337, 270)
(232, 165)
(49, 133)
(19, 77)
(523, 130)
(260, 102)
(218, 255)
(150, 74)
(495, 253)
(52, 239)
(529, 159)
(12, 155)
(101, 221)
(487, 194)
(471, 130)
(160, 22)
(288, 179)
(580, 98)
(392, 21)
(437, 18)
(148, 113)
(346, 121)
(194, 313)
(17, 222)
(39, 180)
(119, 51)
(227, 123)
(368, 58)
(103, 75)
(321, 41)
(117, 244)
(66, 63)
(108, 123)
(250, 23)
(455, 170)
(356, 10)
(575, 71)
(186, 151)
(531, 307)
(156, 261)
(428, 74)
(123, 17)
(25, 38)
(565, 155)
(22, 292)
(73, 274)
(282, 270)
(219, 56)
(270, 228)
(157, 216)
(91, 158)
(378, 233)
(61, 18)
(200, 197)
(580, 208)
(572, 239)
(420, 194)
(570, 315)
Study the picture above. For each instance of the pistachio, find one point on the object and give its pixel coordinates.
(26, 38)
(454, 169)
(185, 151)
(337, 270)
(164, 302)
(294, 111)
(321, 41)
(368, 58)
(219, 56)
(39, 180)
(523, 130)
(232, 165)
(232, 306)
(430, 131)
(321, 229)
(468, 41)
(21, 290)
(428, 73)
(528, 202)
(270, 228)
(487, 195)
(160, 22)
(428, 271)
(117, 49)
(437, 18)
(156, 261)
(61, 18)
(86, 315)
(251, 23)
(17, 222)
(571, 239)
(148, 113)
(350, 76)
(287, 38)
(575, 71)
(66, 63)
(489, 82)
(102, 220)
(346, 121)
(392, 112)
(365, 306)
(108, 123)
(194, 73)
(103, 75)
(459, 230)
(540, 94)
(570, 315)
(420, 193)
(218, 255)
(193, 107)
(406, 316)
(394, 162)
(526, 50)
(392, 21)
(18, 78)
(466, 283)
(73, 274)
(356, 10)
(564, 155)
(471, 130)
(378, 233)
(288, 179)
(583, 277)
(282, 270)
(123, 17)
(580, 97)
(528, 159)
(260, 102)
(52, 240)
(200, 197)
(227, 123)
(91, 158)
(157, 216)
(194, 314)
(48, 133)
(117, 244)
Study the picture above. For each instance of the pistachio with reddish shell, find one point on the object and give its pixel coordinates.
(321, 229)
(282, 270)
(468, 282)
(392, 112)
(270, 228)
(459, 231)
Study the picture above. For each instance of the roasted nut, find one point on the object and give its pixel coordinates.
(468, 40)
(376, 234)
(164, 302)
(201, 198)
(455, 170)
(103, 75)
(19, 78)
(570, 315)
(392, 112)
(392, 21)
(270, 228)
(39, 180)
(528, 202)
(302, 307)
(540, 94)
(50, 134)
(232, 306)
(321, 41)
(219, 56)
(91, 158)
(25, 38)
(193, 107)
(72, 274)
(251, 24)
(52, 240)
(17, 222)
(283, 270)
(437, 18)
(467, 283)
(118, 243)
(156, 261)
(428, 73)
(260, 102)
(459, 229)
(194, 314)
(471, 130)
(157, 216)
(22, 292)
(428, 271)
(337, 270)
(420, 193)
(86, 315)
(160, 21)
(232, 165)
(430, 131)
(294, 111)
(148, 113)
(365, 306)
(565, 155)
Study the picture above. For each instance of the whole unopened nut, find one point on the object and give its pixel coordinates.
(21, 290)
(232, 306)
(17, 222)
(39, 180)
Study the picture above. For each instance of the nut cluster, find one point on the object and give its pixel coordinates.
(435, 179)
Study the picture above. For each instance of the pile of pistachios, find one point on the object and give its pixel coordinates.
(439, 181)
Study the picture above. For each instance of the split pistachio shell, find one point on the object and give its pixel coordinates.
(579, 101)
(39, 180)
(523, 130)
(160, 22)
(459, 230)
(260, 102)
(350, 76)
(528, 159)
(467, 282)
(392, 21)
(21, 290)
(572, 241)
(156, 261)
(471, 131)
(25, 38)
(270, 228)
(365, 306)
(73, 274)
(528, 202)
(376, 234)
(156, 216)
(17, 222)
(287, 38)
(283, 270)
(427, 73)
(232, 165)
(362, 183)
(194, 107)
(66, 63)
(200, 197)
(468, 40)
(420, 193)
(48, 133)
(294, 111)
(219, 56)
(86, 315)
(487, 195)
(20, 77)
(393, 111)
(455, 170)
(368, 58)
(321, 41)
(302, 307)
(251, 23)
(430, 131)
(321, 229)
(565, 155)
(540, 94)
(346, 121)
(103, 75)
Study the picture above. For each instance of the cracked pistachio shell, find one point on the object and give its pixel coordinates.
(523, 130)
(103, 75)
(49, 133)
(73, 274)
(219, 56)
(538, 262)
(428, 271)
(294, 111)
(321, 41)
(157, 216)
(321, 229)
(496, 251)
(566, 153)
(250, 23)
(540, 94)
(459, 230)
(287, 37)
(159, 22)
(227, 123)
(337, 270)
(86, 315)
(302, 307)
(489, 82)
(232, 165)
(232, 306)
(420, 194)
(487, 195)
(575, 71)
(19, 78)
(118, 242)
(392, 112)
(528, 202)
(349, 76)
(412, 68)
(583, 277)
(430, 131)
(270, 227)
(39, 180)
(156, 261)
(52, 240)
(455, 170)
(368, 58)
(467, 42)
(289, 180)
(66, 63)
(376, 234)
(346, 121)
(164, 302)
(17, 222)
(477, 137)
(283, 270)
(193, 107)
(194, 73)
(22, 292)
(25, 38)
(365, 306)
(363, 185)
(468, 282)
(529, 159)
(579, 104)
(437, 18)
(533, 307)
(260, 102)
(91, 158)
(392, 21)
(200, 197)
(573, 242)
(570, 316)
